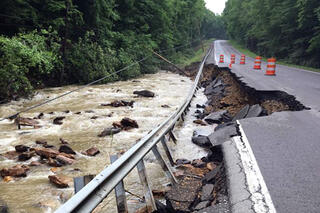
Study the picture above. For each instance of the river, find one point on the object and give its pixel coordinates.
(34, 193)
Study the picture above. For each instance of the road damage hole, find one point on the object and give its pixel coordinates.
(225, 91)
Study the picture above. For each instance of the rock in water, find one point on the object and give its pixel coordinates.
(120, 103)
(15, 171)
(127, 122)
(26, 122)
(21, 148)
(91, 152)
(58, 120)
(60, 181)
(109, 131)
(26, 156)
(66, 149)
(144, 93)
(46, 153)
(64, 160)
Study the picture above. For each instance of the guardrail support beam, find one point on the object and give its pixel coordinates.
(166, 149)
(164, 165)
(148, 192)
(172, 136)
(120, 192)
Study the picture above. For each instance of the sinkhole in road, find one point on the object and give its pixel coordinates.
(225, 91)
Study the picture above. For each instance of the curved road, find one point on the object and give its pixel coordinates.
(286, 145)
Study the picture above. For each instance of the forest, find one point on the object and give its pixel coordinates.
(285, 29)
(45, 43)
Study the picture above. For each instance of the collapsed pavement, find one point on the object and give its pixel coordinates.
(229, 100)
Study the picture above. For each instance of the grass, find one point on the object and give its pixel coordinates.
(197, 55)
(251, 54)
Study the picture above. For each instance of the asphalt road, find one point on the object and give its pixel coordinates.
(286, 145)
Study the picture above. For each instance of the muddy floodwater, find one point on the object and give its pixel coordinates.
(85, 119)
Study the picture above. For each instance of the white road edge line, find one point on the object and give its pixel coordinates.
(260, 195)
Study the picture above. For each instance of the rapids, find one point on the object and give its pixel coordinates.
(35, 194)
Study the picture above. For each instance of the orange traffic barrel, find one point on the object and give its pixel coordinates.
(271, 67)
(257, 63)
(233, 58)
(243, 59)
(221, 59)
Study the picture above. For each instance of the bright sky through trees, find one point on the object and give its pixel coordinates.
(215, 6)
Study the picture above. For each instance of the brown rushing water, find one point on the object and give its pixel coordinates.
(35, 194)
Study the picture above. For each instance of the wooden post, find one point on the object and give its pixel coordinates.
(164, 165)
(120, 192)
(166, 149)
(147, 191)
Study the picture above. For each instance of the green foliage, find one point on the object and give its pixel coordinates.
(88, 40)
(287, 29)
(88, 61)
(24, 60)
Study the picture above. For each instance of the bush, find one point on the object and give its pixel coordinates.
(23, 59)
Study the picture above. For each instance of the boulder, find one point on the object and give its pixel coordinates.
(200, 106)
(26, 156)
(48, 146)
(109, 131)
(66, 149)
(15, 171)
(58, 120)
(20, 121)
(206, 193)
(202, 132)
(215, 117)
(46, 152)
(129, 123)
(54, 163)
(60, 181)
(165, 106)
(7, 179)
(202, 141)
(64, 160)
(91, 152)
(121, 103)
(21, 148)
(89, 111)
(144, 93)
(40, 116)
(41, 142)
(182, 161)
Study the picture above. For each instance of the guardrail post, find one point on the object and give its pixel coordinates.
(120, 192)
(172, 136)
(80, 182)
(164, 165)
(144, 181)
(166, 149)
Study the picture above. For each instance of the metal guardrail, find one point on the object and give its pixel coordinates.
(89, 197)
